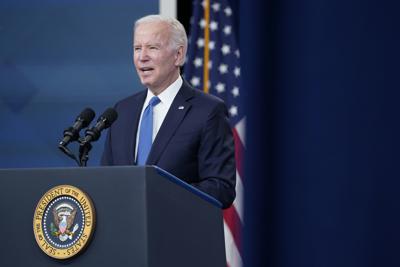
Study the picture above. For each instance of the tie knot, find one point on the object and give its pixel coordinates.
(154, 101)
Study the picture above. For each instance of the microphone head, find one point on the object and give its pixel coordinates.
(109, 116)
(86, 116)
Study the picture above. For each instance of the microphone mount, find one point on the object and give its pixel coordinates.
(84, 149)
(94, 133)
(91, 135)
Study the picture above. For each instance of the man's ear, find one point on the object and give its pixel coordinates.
(179, 58)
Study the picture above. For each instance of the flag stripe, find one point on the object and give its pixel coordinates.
(241, 130)
(232, 220)
(238, 152)
(239, 201)
(233, 257)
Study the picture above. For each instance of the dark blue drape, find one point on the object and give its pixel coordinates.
(321, 80)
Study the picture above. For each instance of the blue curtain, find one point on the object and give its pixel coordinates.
(321, 80)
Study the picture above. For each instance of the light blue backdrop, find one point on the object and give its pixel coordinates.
(56, 58)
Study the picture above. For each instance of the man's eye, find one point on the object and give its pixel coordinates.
(153, 47)
(136, 48)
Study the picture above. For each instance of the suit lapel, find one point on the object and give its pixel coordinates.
(173, 119)
(134, 125)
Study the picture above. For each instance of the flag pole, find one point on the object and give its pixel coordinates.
(206, 43)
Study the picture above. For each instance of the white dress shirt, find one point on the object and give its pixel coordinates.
(161, 109)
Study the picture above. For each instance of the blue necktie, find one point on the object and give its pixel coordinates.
(146, 132)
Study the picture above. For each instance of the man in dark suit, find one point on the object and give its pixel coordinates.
(171, 125)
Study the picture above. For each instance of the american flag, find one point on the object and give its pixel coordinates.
(213, 65)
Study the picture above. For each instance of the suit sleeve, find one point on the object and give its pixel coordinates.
(216, 156)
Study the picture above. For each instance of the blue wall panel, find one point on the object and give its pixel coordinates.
(56, 58)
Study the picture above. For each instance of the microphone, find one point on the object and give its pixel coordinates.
(82, 121)
(105, 121)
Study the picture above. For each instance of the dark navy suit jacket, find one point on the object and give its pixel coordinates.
(194, 143)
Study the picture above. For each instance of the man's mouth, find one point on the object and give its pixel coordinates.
(146, 69)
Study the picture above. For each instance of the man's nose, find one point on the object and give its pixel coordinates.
(143, 55)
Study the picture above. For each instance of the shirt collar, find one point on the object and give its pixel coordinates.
(168, 95)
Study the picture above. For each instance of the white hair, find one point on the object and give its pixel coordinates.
(178, 33)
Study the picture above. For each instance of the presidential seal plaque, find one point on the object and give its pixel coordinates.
(64, 221)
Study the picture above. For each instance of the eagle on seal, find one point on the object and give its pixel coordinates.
(63, 217)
